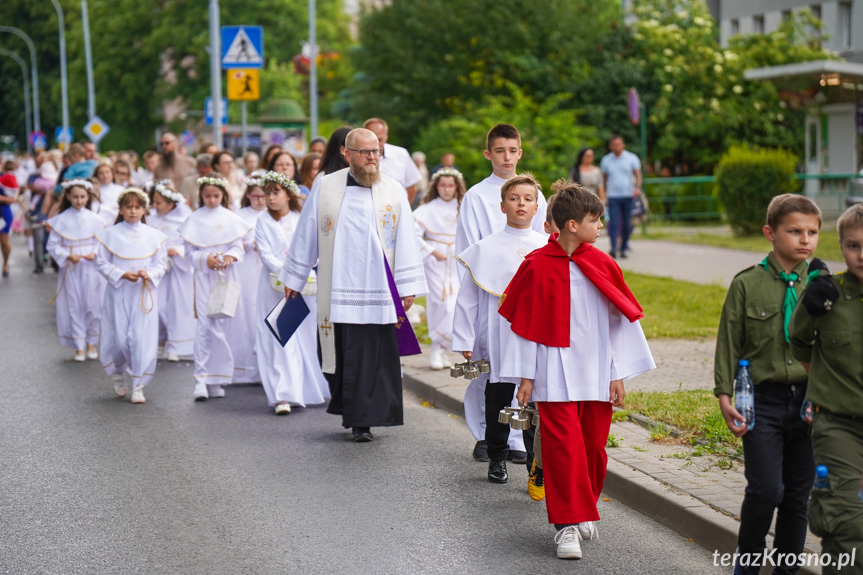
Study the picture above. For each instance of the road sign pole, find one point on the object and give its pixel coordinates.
(64, 84)
(34, 72)
(313, 73)
(23, 65)
(245, 140)
(88, 58)
(216, 73)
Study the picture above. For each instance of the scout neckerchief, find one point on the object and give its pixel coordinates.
(790, 296)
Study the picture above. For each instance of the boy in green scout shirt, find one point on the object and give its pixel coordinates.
(827, 336)
(754, 326)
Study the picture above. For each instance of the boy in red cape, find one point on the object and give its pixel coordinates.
(577, 338)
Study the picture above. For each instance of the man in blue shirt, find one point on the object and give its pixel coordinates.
(80, 168)
(621, 171)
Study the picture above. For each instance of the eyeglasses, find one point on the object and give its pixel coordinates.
(367, 153)
(168, 143)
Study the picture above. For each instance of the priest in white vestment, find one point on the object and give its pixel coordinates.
(358, 227)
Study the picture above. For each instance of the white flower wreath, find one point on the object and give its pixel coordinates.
(448, 172)
(86, 184)
(213, 181)
(142, 195)
(168, 193)
(282, 180)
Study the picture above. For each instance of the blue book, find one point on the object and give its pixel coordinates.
(286, 317)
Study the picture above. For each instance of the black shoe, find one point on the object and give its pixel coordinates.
(623, 255)
(39, 271)
(497, 471)
(480, 451)
(612, 253)
(519, 457)
(362, 434)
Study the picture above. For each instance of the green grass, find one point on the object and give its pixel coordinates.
(695, 412)
(422, 330)
(828, 242)
(675, 308)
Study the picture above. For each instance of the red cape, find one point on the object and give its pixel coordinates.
(537, 300)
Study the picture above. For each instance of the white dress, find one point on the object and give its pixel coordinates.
(480, 216)
(242, 335)
(603, 346)
(291, 373)
(490, 265)
(108, 196)
(79, 286)
(176, 294)
(436, 225)
(130, 315)
(212, 231)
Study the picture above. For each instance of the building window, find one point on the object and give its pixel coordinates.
(735, 26)
(758, 24)
(816, 11)
(786, 15)
(845, 25)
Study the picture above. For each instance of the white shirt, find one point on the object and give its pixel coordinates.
(360, 292)
(603, 346)
(398, 164)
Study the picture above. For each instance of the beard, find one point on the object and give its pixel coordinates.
(366, 176)
(168, 158)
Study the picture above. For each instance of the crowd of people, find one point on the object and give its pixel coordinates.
(186, 258)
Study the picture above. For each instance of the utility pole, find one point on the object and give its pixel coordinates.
(313, 73)
(216, 73)
(88, 57)
(37, 125)
(23, 65)
(64, 84)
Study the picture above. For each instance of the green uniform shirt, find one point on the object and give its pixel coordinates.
(833, 346)
(752, 327)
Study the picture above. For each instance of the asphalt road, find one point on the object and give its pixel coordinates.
(92, 484)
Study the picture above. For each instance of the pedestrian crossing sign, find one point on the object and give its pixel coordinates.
(244, 85)
(242, 47)
(96, 129)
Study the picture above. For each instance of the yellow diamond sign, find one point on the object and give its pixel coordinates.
(244, 85)
(96, 129)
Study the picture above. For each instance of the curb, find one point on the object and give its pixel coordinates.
(664, 504)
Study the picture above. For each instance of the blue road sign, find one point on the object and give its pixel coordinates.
(208, 111)
(59, 136)
(242, 47)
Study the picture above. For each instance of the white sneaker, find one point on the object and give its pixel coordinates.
(138, 395)
(436, 359)
(92, 354)
(568, 542)
(173, 358)
(119, 386)
(161, 351)
(80, 356)
(215, 391)
(588, 530)
(283, 409)
(200, 393)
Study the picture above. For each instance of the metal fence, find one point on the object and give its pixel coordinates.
(693, 198)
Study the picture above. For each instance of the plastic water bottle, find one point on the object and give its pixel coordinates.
(744, 395)
(806, 411)
(821, 480)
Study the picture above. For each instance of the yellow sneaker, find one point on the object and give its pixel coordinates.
(535, 483)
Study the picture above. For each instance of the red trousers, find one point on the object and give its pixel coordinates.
(573, 457)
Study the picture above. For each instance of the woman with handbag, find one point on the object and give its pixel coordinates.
(214, 242)
(291, 374)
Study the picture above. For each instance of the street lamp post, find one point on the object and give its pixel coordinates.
(216, 73)
(37, 125)
(313, 73)
(20, 60)
(88, 57)
(64, 86)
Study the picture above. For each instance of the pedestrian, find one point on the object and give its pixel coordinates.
(419, 160)
(621, 171)
(825, 336)
(573, 365)
(214, 242)
(132, 257)
(480, 216)
(333, 159)
(395, 161)
(478, 330)
(587, 174)
(754, 326)
(291, 374)
(284, 163)
(250, 163)
(318, 146)
(171, 163)
(271, 152)
(436, 221)
(189, 189)
(223, 167)
(176, 294)
(309, 169)
(253, 207)
(364, 274)
(108, 192)
(446, 161)
(122, 174)
(8, 196)
(72, 243)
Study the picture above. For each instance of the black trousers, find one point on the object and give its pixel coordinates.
(780, 469)
(498, 396)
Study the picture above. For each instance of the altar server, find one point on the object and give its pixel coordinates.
(176, 297)
(72, 243)
(359, 223)
(132, 257)
(436, 220)
(214, 243)
(291, 375)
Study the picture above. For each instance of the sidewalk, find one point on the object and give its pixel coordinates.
(689, 494)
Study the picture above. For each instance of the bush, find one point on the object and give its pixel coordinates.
(747, 179)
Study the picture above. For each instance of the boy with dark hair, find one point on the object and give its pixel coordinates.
(754, 326)
(478, 331)
(827, 336)
(573, 364)
(480, 216)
